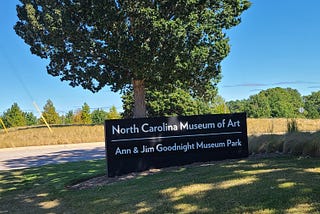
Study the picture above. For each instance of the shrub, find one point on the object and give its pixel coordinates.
(266, 144)
(312, 146)
(294, 143)
(292, 126)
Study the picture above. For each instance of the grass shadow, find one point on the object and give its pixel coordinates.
(253, 185)
(295, 143)
(41, 189)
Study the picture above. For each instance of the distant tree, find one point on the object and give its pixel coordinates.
(1, 119)
(85, 114)
(69, 117)
(236, 106)
(50, 114)
(14, 117)
(312, 105)
(31, 119)
(113, 113)
(219, 106)
(77, 117)
(284, 102)
(258, 106)
(273, 102)
(98, 116)
(131, 43)
(82, 116)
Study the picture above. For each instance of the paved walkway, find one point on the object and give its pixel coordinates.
(32, 156)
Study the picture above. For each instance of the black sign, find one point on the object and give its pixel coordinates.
(134, 145)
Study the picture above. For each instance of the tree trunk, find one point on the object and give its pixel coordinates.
(139, 99)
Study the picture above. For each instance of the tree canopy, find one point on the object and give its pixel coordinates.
(131, 44)
(273, 102)
(174, 100)
(14, 117)
(312, 104)
(50, 113)
(85, 114)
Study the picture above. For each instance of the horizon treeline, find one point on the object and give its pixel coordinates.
(270, 103)
(15, 117)
(279, 103)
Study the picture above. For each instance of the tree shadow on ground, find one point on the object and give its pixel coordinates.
(253, 185)
(42, 189)
(271, 185)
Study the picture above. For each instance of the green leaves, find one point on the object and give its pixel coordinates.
(14, 117)
(176, 100)
(110, 43)
(85, 114)
(312, 105)
(98, 43)
(50, 114)
(273, 102)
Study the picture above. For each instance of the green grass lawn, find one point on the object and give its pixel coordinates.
(254, 185)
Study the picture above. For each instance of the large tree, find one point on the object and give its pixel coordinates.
(174, 100)
(131, 44)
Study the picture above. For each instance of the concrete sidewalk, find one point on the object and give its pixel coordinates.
(32, 156)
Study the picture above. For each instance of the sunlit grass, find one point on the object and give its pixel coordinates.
(49, 204)
(287, 185)
(176, 194)
(37, 136)
(279, 125)
(257, 172)
(302, 208)
(269, 185)
(236, 182)
(313, 170)
(190, 208)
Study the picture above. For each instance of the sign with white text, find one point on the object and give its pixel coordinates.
(134, 145)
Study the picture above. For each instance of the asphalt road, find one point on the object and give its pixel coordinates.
(33, 156)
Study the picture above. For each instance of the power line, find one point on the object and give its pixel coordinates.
(24, 86)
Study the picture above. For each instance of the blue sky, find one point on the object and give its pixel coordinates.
(276, 45)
